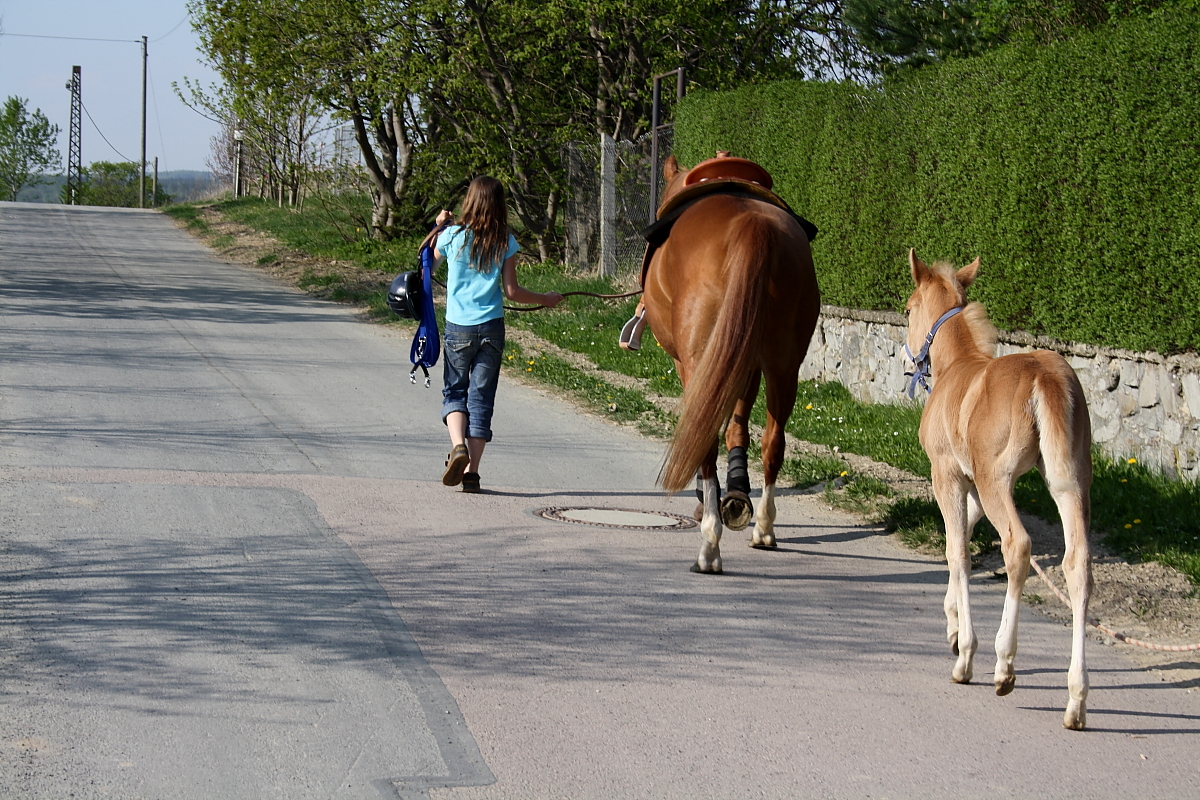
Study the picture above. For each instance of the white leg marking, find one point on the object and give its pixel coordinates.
(709, 559)
(764, 519)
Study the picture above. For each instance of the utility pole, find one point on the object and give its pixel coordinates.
(142, 167)
(238, 135)
(74, 147)
(154, 186)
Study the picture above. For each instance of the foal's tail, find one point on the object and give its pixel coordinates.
(1064, 431)
(730, 358)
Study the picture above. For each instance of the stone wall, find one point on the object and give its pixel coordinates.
(1143, 405)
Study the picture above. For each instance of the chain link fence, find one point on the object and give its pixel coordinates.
(608, 202)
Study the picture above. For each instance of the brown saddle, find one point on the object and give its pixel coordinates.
(739, 177)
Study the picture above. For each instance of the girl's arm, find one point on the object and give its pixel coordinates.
(519, 294)
(444, 217)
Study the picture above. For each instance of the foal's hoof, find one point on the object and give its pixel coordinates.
(714, 569)
(1006, 685)
(1076, 717)
(736, 510)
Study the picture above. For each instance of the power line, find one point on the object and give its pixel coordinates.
(102, 136)
(162, 146)
(168, 33)
(71, 38)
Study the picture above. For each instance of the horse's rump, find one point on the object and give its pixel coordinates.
(754, 238)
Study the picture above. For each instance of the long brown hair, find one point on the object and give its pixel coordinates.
(485, 215)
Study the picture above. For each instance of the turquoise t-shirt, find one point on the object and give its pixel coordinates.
(472, 296)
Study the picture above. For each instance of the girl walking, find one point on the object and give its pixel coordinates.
(481, 272)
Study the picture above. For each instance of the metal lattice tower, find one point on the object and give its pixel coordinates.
(74, 148)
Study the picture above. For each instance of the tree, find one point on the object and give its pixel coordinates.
(27, 148)
(437, 91)
(326, 55)
(105, 183)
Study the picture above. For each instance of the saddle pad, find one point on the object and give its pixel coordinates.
(657, 232)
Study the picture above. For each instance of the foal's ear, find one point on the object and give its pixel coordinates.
(920, 272)
(966, 276)
(670, 167)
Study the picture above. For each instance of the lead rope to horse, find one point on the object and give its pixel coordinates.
(1120, 637)
(564, 294)
(432, 236)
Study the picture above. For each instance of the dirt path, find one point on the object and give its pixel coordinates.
(1146, 601)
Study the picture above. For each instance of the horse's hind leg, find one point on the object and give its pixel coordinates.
(1074, 508)
(953, 497)
(709, 559)
(781, 399)
(736, 508)
(950, 605)
(1015, 544)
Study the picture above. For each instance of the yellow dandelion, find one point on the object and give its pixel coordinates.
(1137, 522)
(529, 369)
(1127, 525)
(844, 474)
(808, 407)
(531, 363)
(1131, 461)
(510, 358)
(1124, 480)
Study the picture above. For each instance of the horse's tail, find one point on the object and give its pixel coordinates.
(720, 376)
(1064, 432)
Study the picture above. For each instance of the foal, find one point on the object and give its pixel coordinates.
(988, 421)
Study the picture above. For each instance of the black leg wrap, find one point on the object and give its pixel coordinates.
(738, 476)
(700, 487)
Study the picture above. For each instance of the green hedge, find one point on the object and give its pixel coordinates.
(1070, 169)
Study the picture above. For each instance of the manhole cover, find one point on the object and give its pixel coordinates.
(618, 518)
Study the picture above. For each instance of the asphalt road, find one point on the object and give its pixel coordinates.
(228, 569)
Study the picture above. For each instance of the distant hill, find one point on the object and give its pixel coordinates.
(182, 184)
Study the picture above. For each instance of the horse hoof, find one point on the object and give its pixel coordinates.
(715, 569)
(736, 510)
(1076, 718)
(764, 545)
(1005, 686)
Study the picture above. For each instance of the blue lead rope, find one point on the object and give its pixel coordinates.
(920, 361)
(427, 344)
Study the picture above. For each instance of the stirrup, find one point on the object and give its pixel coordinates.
(631, 333)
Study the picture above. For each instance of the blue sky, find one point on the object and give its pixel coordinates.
(39, 69)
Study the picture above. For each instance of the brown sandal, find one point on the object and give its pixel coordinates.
(456, 464)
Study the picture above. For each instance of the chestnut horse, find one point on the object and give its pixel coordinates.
(988, 421)
(731, 296)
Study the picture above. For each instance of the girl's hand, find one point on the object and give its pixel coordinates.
(443, 217)
(551, 299)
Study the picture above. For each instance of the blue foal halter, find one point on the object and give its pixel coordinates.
(921, 360)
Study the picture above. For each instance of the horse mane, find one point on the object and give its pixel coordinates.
(982, 331)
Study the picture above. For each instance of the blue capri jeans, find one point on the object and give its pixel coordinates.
(471, 370)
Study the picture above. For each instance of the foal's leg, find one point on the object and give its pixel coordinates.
(781, 399)
(950, 605)
(996, 493)
(709, 559)
(736, 508)
(1074, 507)
(952, 491)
